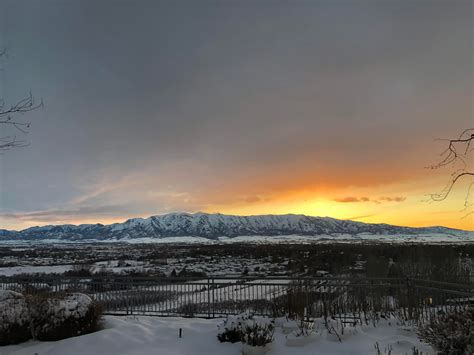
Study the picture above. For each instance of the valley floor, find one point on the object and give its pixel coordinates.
(159, 336)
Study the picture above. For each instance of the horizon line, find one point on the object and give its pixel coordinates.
(230, 215)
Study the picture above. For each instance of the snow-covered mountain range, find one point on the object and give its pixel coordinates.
(219, 226)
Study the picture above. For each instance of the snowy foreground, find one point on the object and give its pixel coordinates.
(156, 336)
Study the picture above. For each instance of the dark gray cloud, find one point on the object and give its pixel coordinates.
(158, 105)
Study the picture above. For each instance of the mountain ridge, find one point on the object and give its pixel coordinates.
(214, 226)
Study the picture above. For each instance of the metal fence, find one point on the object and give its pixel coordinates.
(355, 299)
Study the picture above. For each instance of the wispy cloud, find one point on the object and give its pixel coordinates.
(361, 217)
(392, 199)
(353, 199)
(66, 214)
(252, 199)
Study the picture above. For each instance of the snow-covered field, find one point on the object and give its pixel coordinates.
(462, 237)
(29, 269)
(159, 336)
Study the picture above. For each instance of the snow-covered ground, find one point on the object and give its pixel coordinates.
(110, 266)
(30, 269)
(159, 336)
(433, 238)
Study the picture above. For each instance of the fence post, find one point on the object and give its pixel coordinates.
(306, 310)
(208, 298)
(409, 300)
(213, 305)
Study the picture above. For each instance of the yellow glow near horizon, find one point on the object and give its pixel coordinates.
(415, 210)
(403, 204)
(409, 213)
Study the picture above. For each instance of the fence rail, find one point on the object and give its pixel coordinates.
(411, 299)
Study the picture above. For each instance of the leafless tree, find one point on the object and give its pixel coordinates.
(12, 116)
(458, 156)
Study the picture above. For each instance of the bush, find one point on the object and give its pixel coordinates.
(246, 329)
(257, 334)
(231, 329)
(14, 318)
(451, 333)
(59, 317)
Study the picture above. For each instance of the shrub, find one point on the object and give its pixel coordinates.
(451, 333)
(257, 334)
(246, 329)
(14, 318)
(59, 317)
(231, 329)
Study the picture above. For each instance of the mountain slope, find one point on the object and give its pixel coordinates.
(214, 226)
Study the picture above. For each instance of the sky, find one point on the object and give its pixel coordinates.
(324, 108)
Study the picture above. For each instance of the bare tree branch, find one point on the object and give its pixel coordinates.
(458, 153)
(11, 116)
